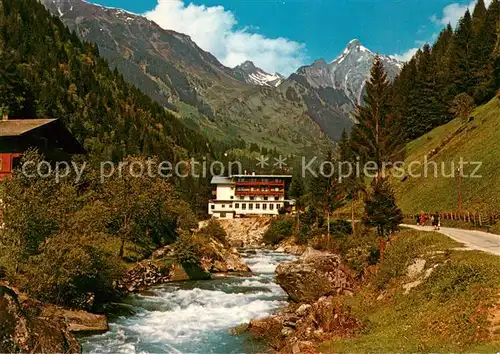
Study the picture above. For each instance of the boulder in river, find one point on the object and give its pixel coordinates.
(313, 275)
(78, 321)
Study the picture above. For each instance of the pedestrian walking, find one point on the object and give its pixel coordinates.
(422, 219)
(435, 221)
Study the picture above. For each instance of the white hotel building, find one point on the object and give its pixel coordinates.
(245, 195)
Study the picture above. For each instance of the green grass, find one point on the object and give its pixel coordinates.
(473, 141)
(447, 312)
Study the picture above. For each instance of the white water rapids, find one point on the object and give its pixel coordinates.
(196, 316)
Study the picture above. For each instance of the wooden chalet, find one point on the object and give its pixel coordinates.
(49, 136)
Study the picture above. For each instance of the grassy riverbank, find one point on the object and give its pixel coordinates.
(452, 309)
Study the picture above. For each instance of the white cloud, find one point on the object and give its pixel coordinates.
(453, 12)
(215, 30)
(450, 14)
(406, 56)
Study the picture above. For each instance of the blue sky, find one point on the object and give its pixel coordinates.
(283, 35)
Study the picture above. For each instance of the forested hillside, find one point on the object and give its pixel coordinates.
(172, 69)
(460, 70)
(46, 71)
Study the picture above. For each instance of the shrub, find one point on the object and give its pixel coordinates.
(279, 229)
(186, 250)
(340, 228)
(215, 230)
(448, 280)
(67, 273)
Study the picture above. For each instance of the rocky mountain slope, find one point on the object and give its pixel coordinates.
(251, 74)
(232, 105)
(348, 72)
(331, 91)
(173, 70)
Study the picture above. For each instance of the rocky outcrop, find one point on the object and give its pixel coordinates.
(314, 275)
(161, 267)
(24, 328)
(290, 246)
(297, 328)
(217, 259)
(78, 321)
(144, 275)
(246, 232)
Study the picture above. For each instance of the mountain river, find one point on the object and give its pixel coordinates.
(196, 316)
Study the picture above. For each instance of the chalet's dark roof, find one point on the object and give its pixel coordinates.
(52, 129)
(17, 127)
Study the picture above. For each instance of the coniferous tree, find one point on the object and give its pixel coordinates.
(375, 138)
(460, 58)
(381, 210)
(483, 48)
(431, 110)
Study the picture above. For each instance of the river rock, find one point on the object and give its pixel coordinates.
(78, 321)
(20, 332)
(314, 275)
(289, 332)
(145, 274)
(302, 310)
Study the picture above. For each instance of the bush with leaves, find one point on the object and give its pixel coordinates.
(280, 229)
(186, 249)
(215, 230)
(62, 241)
(71, 270)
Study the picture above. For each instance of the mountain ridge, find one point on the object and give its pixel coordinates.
(232, 105)
(248, 72)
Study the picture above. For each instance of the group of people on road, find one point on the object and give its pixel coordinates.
(421, 219)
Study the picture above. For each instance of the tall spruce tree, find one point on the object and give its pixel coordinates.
(483, 47)
(375, 137)
(460, 58)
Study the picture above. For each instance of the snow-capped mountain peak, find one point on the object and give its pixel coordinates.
(251, 74)
(349, 71)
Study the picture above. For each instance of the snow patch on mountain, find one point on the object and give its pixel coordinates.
(349, 71)
(251, 74)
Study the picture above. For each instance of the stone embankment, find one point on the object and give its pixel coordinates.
(313, 283)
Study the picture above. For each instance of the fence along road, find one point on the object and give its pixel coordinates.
(472, 239)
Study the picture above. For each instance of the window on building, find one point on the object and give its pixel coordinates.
(276, 198)
(242, 197)
(222, 215)
(250, 206)
(278, 206)
(265, 198)
(271, 206)
(237, 205)
(264, 206)
(212, 207)
(243, 206)
(252, 198)
(222, 206)
(232, 197)
(257, 206)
